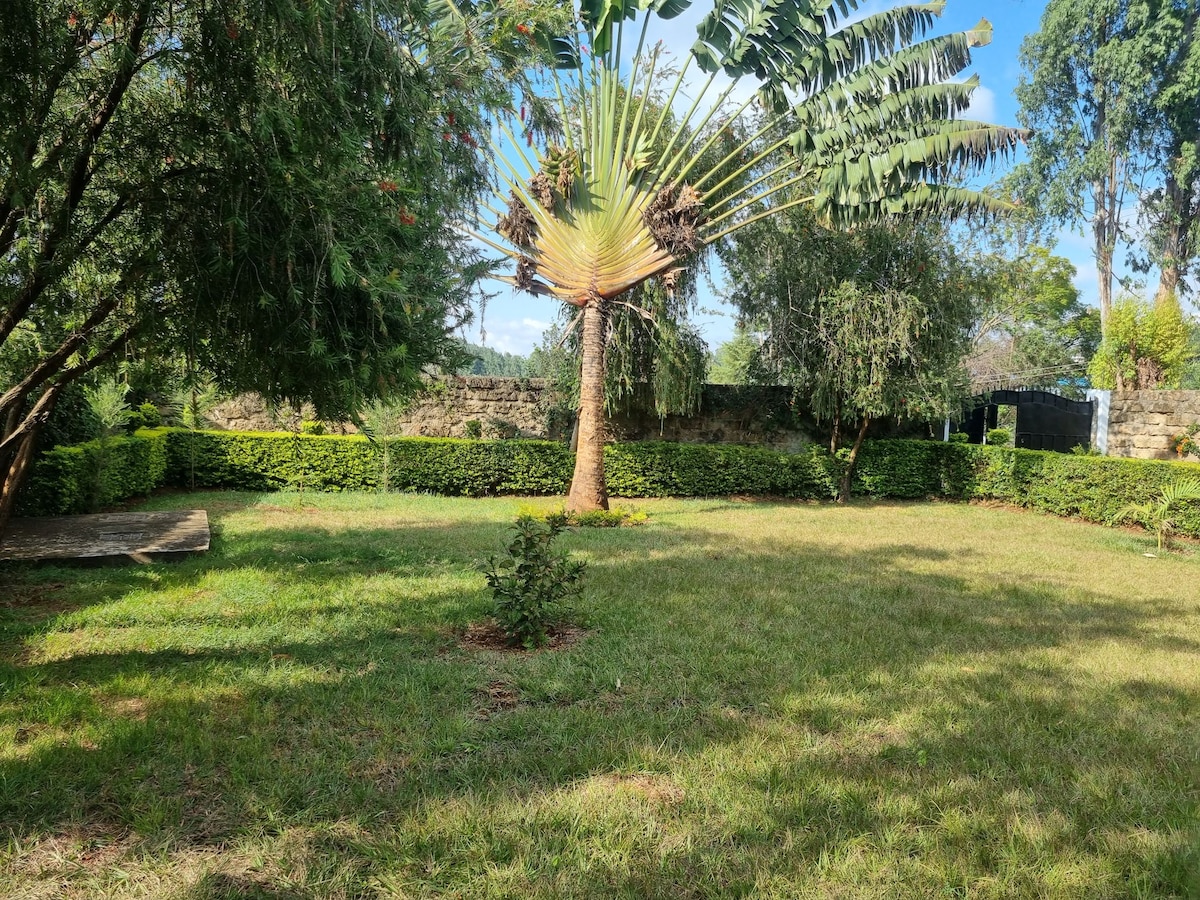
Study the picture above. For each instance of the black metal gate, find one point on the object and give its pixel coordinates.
(1045, 421)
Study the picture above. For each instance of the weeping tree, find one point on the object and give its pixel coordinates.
(603, 188)
(266, 186)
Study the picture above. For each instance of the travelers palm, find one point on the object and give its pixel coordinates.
(856, 116)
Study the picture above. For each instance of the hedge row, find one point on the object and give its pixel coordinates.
(86, 477)
(100, 473)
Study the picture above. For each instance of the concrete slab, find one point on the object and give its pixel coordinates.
(107, 537)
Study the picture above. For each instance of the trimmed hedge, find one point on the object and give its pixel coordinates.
(661, 469)
(1088, 487)
(97, 474)
(266, 462)
(86, 477)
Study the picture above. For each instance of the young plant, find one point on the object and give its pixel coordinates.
(530, 586)
(1157, 514)
(1188, 443)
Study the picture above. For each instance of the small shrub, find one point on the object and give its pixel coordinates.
(473, 429)
(1188, 444)
(959, 437)
(1157, 514)
(315, 428)
(607, 518)
(145, 416)
(502, 429)
(530, 586)
(999, 437)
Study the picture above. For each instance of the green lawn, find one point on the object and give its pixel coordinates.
(772, 700)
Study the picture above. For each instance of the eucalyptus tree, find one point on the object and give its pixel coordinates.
(609, 196)
(265, 186)
(1093, 91)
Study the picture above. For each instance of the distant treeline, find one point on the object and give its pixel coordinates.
(492, 362)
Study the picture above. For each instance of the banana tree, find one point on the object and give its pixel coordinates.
(636, 180)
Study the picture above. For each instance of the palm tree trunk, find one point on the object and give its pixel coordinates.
(588, 490)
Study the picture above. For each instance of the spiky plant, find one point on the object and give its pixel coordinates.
(1157, 514)
(863, 112)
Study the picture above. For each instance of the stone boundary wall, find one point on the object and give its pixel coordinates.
(1143, 424)
(525, 407)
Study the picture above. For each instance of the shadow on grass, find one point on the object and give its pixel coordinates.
(812, 709)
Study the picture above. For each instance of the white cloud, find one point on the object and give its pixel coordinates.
(518, 336)
(983, 105)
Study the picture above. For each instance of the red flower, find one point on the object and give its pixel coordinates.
(524, 29)
(446, 136)
(407, 218)
(231, 30)
(450, 118)
(468, 140)
(387, 186)
(73, 20)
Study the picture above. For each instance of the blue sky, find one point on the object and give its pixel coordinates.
(514, 322)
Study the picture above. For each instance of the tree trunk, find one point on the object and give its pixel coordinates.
(14, 477)
(1181, 210)
(588, 490)
(848, 475)
(1102, 250)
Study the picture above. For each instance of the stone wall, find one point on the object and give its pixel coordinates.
(502, 407)
(525, 407)
(1143, 424)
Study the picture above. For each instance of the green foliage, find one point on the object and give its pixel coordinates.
(72, 422)
(1159, 514)
(486, 361)
(271, 461)
(530, 586)
(662, 469)
(107, 400)
(88, 477)
(868, 323)
(1093, 75)
(959, 437)
(1088, 487)
(1031, 328)
(999, 437)
(147, 415)
(270, 187)
(310, 427)
(1186, 444)
(613, 517)
(473, 429)
(733, 361)
(1144, 348)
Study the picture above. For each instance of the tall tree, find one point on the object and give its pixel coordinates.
(1092, 72)
(1174, 208)
(1031, 328)
(863, 110)
(864, 324)
(263, 185)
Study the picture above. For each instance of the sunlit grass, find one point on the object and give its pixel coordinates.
(773, 700)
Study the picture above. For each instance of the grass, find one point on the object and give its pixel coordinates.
(772, 701)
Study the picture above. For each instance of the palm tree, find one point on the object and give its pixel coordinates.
(862, 112)
(1157, 513)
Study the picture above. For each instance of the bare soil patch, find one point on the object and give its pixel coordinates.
(490, 636)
